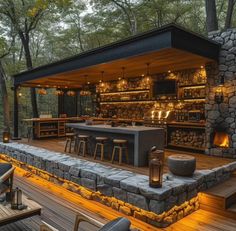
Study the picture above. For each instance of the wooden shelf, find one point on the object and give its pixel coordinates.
(126, 91)
(48, 135)
(187, 125)
(193, 85)
(193, 99)
(48, 129)
(128, 101)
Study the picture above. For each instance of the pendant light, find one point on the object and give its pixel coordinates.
(147, 79)
(59, 92)
(122, 83)
(71, 93)
(85, 90)
(42, 91)
(103, 86)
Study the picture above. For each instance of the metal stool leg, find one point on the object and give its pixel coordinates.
(79, 146)
(95, 151)
(70, 145)
(120, 155)
(84, 147)
(66, 144)
(127, 154)
(102, 151)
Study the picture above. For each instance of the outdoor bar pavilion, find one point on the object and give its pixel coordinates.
(172, 60)
(176, 89)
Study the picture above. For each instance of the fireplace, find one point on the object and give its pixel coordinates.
(220, 139)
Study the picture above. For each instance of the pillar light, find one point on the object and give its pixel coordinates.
(155, 173)
(219, 93)
(6, 137)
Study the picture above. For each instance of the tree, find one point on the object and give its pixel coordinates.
(211, 17)
(212, 21)
(229, 14)
(24, 16)
(4, 95)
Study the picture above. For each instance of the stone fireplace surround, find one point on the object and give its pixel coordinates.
(222, 115)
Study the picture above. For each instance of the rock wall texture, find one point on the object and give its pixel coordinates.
(224, 114)
(122, 190)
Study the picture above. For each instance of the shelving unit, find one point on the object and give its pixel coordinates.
(43, 129)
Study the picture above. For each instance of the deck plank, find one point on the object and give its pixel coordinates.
(60, 212)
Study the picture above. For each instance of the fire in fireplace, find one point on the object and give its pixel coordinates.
(221, 139)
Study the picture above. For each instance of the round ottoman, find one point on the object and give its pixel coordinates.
(182, 165)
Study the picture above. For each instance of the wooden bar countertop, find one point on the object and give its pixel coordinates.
(52, 119)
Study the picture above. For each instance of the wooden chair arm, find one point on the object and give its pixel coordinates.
(6, 175)
(84, 218)
(46, 227)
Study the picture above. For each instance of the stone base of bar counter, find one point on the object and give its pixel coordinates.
(122, 190)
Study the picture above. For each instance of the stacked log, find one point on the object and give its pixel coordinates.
(186, 137)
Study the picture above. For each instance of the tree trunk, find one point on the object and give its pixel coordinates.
(229, 14)
(211, 17)
(6, 110)
(29, 64)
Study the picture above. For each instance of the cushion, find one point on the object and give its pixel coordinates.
(4, 167)
(119, 224)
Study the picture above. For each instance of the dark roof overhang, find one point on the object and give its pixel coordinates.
(167, 37)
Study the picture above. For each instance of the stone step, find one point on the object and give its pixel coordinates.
(220, 199)
(223, 195)
(224, 189)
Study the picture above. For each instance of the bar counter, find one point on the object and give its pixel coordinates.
(140, 138)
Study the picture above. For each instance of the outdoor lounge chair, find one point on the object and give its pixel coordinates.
(6, 177)
(119, 224)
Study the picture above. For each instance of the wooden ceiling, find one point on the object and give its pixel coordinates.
(160, 61)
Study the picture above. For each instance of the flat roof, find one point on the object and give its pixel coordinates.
(170, 46)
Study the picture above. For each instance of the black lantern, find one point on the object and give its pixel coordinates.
(6, 137)
(16, 201)
(219, 94)
(155, 173)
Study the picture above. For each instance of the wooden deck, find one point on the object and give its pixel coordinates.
(203, 161)
(60, 207)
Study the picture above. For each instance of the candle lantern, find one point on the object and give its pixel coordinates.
(16, 201)
(6, 137)
(219, 94)
(155, 173)
(155, 153)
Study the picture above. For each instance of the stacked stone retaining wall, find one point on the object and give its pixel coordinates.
(122, 190)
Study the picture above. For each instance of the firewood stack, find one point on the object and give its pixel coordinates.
(188, 138)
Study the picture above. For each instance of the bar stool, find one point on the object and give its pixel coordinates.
(70, 138)
(82, 142)
(120, 144)
(100, 141)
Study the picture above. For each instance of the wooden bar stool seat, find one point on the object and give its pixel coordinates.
(120, 141)
(100, 142)
(70, 139)
(120, 145)
(82, 143)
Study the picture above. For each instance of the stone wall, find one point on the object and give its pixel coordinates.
(122, 190)
(223, 114)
